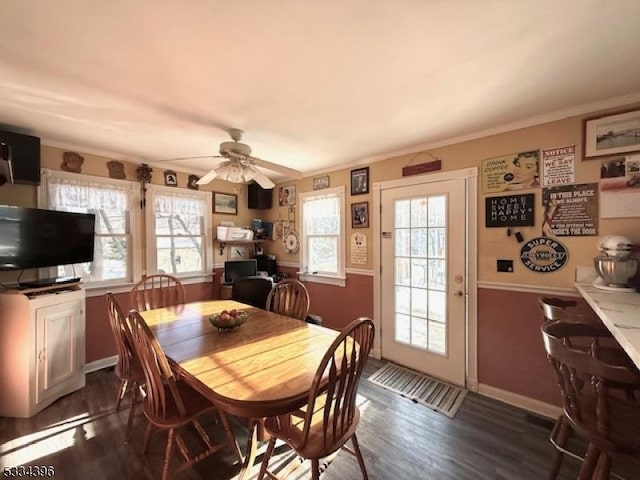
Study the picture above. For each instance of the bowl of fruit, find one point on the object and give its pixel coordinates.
(227, 320)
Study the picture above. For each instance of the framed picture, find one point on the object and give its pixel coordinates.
(360, 181)
(360, 215)
(612, 134)
(170, 178)
(192, 183)
(321, 182)
(287, 195)
(225, 203)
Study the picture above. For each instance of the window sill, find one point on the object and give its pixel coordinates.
(327, 280)
(99, 290)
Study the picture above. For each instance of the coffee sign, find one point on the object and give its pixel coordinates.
(543, 255)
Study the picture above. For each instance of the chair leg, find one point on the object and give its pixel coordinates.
(121, 392)
(147, 438)
(168, 453)
(132, 410)
(356, 449)
(265, 459)
(231, 438)
(590, 462)
(603, 468)
(315, 469)
(561, 438)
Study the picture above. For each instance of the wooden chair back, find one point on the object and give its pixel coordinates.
(585, 383)
(336, 382)
(157, 291)
(554, 309)
(253, 291)
(289, 297)
(127, 359)
(157, 371)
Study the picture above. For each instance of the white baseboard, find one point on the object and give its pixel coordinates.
(531, 405)
(100, 364)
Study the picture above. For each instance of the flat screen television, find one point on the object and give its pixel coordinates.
(239, 269)
(36, 238)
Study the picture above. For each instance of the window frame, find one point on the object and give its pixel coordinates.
(150, 226)
(338, 279)
(134, 260)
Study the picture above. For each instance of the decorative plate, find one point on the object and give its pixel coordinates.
(290, 242)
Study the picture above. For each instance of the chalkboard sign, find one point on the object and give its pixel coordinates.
(510, 211)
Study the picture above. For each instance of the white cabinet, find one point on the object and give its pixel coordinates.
(42, 348)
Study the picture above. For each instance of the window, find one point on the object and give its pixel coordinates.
(322, 236)
(178, 224)
(114, 202)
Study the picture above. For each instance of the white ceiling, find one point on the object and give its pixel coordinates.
(315, 85)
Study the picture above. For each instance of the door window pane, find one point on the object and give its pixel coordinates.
(419, 302)
(437, 211)
(418, 212)
(419, 332)
(402, 214)
(437, 338)
(403, 271)
(402, 328)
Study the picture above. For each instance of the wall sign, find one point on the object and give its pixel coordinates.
(570, 211)
(543, 255)
(517, 171)
(559, 166)
(509, 211)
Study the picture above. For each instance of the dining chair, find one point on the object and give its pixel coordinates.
(170, 403)
(157, 291)
(609, 423)
(554, 307)
(602, 346)
(289, 297)
(128, 367)
(331, 415)
(252, 290)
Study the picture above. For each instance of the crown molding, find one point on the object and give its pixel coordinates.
(585, 109)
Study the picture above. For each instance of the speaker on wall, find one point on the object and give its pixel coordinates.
(25, 156)
(258, 198)
(6, 170)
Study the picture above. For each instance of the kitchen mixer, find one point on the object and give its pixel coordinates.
(615, 265)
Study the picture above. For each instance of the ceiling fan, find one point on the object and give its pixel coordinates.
(240, 165)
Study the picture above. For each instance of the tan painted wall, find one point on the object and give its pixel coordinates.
(493, 242)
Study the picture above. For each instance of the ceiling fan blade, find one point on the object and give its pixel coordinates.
(187, 158)
(275, 167)
(262, 180)
(208, 177)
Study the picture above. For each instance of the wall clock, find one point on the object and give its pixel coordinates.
(290, 242)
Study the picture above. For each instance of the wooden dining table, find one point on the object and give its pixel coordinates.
(262, 368)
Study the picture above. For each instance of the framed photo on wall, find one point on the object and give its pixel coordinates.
(321, 182)
(225, 203)
(612, 134)
(360, 215)
(360, 181)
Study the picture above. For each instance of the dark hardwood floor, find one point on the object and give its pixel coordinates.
(82, 438)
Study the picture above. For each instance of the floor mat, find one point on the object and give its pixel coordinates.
(435, 394)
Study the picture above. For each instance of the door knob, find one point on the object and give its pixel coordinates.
(458, 293)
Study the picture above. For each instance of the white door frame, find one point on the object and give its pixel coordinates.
(471, 331)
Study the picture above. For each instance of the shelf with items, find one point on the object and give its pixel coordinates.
(242, 243)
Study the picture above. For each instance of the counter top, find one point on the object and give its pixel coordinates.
(620, 312)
